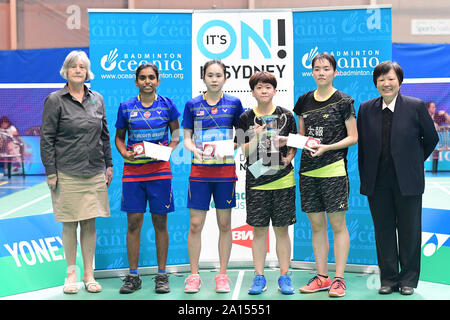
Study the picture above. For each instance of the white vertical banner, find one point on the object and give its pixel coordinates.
(246, 41)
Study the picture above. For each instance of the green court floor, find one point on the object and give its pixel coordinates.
(437, 191)
(359, 287)
(21, 197)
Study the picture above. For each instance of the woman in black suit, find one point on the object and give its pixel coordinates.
(396, 136)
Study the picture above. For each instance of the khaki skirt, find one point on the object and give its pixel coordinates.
(79, 198)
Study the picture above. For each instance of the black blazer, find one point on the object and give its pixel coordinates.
(413, 138)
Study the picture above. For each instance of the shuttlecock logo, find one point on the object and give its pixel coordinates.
(108, 61)
(308, 57)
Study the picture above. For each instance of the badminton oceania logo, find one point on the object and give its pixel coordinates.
(108, 61)
(308, 57)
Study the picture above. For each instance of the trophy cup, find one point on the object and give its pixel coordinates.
(274, 125)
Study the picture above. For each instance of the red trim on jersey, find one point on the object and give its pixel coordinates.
(147, 171)
(168, 176)
(147, 168)
(212, 172)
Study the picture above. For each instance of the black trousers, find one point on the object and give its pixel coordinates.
(398, 231)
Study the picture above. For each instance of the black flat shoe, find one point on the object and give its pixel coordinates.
(406, 291)
(387, 290)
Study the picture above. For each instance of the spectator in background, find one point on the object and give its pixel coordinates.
(76, 154)
(7, 133)
(9, 140)
(7, 127)
(439, 118)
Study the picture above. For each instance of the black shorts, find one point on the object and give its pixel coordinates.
(324, 194)
(276, 205)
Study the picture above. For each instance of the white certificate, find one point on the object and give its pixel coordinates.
(157, 151)
(223, 148)
(302, 142)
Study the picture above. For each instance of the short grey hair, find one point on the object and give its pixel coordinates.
(73, 57)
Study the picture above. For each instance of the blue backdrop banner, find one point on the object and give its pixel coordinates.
(119, 42)
(422, 60)
(359, 40)
(34, 65)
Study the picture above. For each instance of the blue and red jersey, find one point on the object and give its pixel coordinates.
(212, 123)
(146, 124)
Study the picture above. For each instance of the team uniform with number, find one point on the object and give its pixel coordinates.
(147, 179)
(212, 176)
(324, 182)
(271, 196)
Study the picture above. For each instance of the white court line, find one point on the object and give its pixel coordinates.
(237, 287)
(437, 185)
(25, 205)
(426, 80)
(2, 186)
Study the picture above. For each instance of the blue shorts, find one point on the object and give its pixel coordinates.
(158, 193)
(199, 195)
